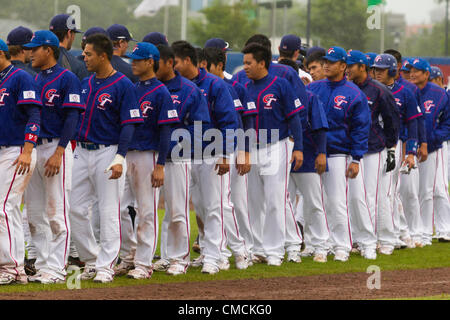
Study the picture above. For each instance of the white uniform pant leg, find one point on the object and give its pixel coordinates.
(129, 242)
(293, 234)
(393, 191)
(256, 204)
(29, 246)
(314, 211)
(176, 219)
(12, 248)
(275, 177)
(441, 199)
(337, 207)
(428, 178)
(363, 194)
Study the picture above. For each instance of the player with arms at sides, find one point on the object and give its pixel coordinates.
(103, 136)
(19, 130)
(348, 118)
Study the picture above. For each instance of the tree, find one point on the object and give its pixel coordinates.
(231, 23)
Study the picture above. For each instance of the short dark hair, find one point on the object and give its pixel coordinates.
(215, 56)
(315, 57)
(101, 44)
(7, 55)
(165, 52)
(259, 52)
(286, 53)
(397, 55)
(200, 54)
(55, 50)
(261, 40)
(14, 50)
(183, 50)
(61, 34)
(290, 63)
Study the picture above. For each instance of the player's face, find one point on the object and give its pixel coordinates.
(354, 71)
(406, 75)
(91, 58)
(316, 71)
(165, 69)
(419, 77)
(253, 69)
(203, 64)
(181, 66)
(382, 75)
(334, 70)
(372, 72)
(140, 67)
(27, 56)
(39, 57)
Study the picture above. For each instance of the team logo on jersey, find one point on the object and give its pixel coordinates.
(339, 100)
(175, 99)
(268, 99)
(397, 101)
(33, 128)
(103, 99)
(3, 94)
(204, 93)
(146, 106)
(428, 105)
(51, 95)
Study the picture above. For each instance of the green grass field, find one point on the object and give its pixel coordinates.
(420, 258)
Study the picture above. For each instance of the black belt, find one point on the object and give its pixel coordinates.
(92, 146)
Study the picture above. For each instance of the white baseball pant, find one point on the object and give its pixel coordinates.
(90, 183)
(29, 246)
(442, 217)
(129, 242)
(47, 200)
(12, 246)
(433, 196)
(293, 240)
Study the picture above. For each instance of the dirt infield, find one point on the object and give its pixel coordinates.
(400, 283)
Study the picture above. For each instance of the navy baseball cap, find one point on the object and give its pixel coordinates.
(371, 58)
(217, 43)
(119, 32)
(313, 50)
(355, 56)
(406, 65)
(63, 22)
(335, 54)
(41, 38)
(144, 50)
(435, 73)
(290, 42)
(420, 64)
(156, 38)
(19, 36)
(94, 30)
(3, 46)
(385, 61)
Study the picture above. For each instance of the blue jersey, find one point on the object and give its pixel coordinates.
(25, 67)
(157, 109)
(435, 102)
(59, 89)
(17, 90)
(190, 104)
(276, 103)
(384, 115)
(110, 104)
(220, 104)
(120, 65)
(348, 116)
(313, 120)
(247, 107)
(410, 112)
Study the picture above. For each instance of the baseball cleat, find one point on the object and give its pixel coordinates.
(224, 264)
(176, 269)
(6, 278)
(46, 278)
(75, 261)
(274, 261)
(294, 256)
(197, 262)
(308, 252)
(427, 243)
(140, 273)
(256, 258)
(241, 262)
(210, 268)
(400, 244)
(320, 257)
(341, 256)
(161, 265)
(30, 268)
(103, 277)
(386, 250)
(418, 244)
(369, 254)
(123, 268)
(88, 273)
(409, 242)
(444, 239)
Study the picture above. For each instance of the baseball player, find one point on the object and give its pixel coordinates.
(289, 48)
(64, 27)
(104, 132)
(437, 77)
(20, 57)
(47, 196)
(434, 202)
(211, 181)
(222, 45)
(348, 118)
(147, 154)
(88, 33)
(314, 64)
(370, 56)
(385, 72)
(191, 107)
(156, 38)
(238, 229)
(377, 163)
(278, 115)
(19, 131)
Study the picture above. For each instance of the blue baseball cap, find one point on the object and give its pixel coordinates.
(63, 22)
(371, 58)
(420, 64)
(19, 36)
(335, 54)
(41, 38)
(315, 49)
(156, 38)
(355, 56)
(217, 43)
(94, 30)
(119, 32)
(144, 50)
(3, 46)
(406, 65)
(291, 42)
(435, 73)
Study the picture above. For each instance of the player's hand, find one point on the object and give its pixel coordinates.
(116, 167)
(297, 156)
(422, 153)
(243, 165)
(53, 163)
(353, 170)
(158, 176)
(223, 166)
(321, 163)
(23, 162)
(409, 161)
